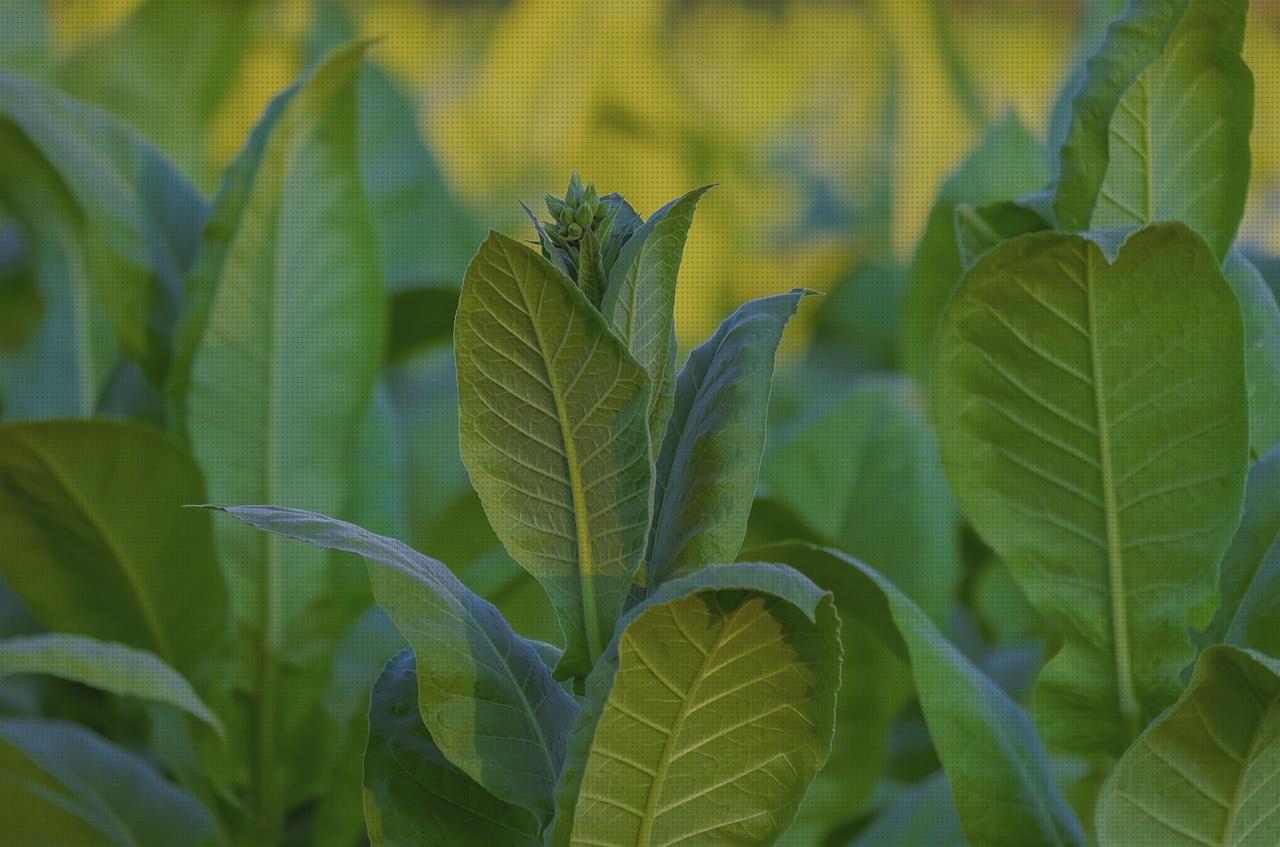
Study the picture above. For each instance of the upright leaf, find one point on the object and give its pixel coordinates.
(62, 784)
(414, 797)
(708, 716)
(1008, 163)
(1178, 147)
(1250, 612)
(111, 667)
(706, 473)
(483, 692)
(866, 476)
(640, 300)
(1204, 775)
(554, 435)
(94, 539)
(1000, 776)
(107, 228)
(1095, 431)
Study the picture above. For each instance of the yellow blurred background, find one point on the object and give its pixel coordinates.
(828, 124)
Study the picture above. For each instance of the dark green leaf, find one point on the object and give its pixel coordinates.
(1261, 350)
(978, 229)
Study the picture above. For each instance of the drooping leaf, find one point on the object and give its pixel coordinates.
(62, 784)
(553, 433)
(1250, 612)
(706, 473)
(1261, 350)
(640, 300)
(112, 667)
(1203, 775)
(1000, 775)
(1008, 164)
(484, 693)
(866, 476)
(1178, 144)
(94, 539)
(1095, 431)
(283, 340)
(414, 797)
(708, 716)
(107, 228)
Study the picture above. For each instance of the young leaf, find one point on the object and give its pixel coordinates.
(1095, 431)
(1133, 43)
(1203, 775)
(867, 478)
(65, 785)
(708, 716)
(1000, 776)
(554, 436)
(640, 300)
(284, 340)
(1007, 164)
(91, 526)
(1250, 612)
(484, 693)
(1261, 350)
(414, 797)
(706, 473)
(109, 227)
(116, 668)
(1178, 145)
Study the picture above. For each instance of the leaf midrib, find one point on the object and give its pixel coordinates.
(1128, 699)
(1233, 810)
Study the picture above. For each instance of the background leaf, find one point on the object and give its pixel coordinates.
(1094, 430)
(749, 659)
(1261, 351)
(553, 433)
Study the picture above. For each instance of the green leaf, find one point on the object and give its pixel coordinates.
(1261, 350)
(484, 693)
(74, 788)
(284, 339)
(1250, 612)
(1095, 432)
(1204, 774)
(1000, 775)
(413, 796)
(91, 526)
(640, 300)
(978, 229)
(1178, 147)
(1008, 164)
(922, 814)
(553, 433)
(117, 668)
(706, 473)
(866, 476)
(107, 230)
(708, 715)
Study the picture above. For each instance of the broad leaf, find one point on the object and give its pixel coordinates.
(554, 435)
(414, 797)
(484, 694)
(1261, 350)
(1178, 147)
(1133, 43)
(284, 339)
(978, 229)
(65, 785)
(706, 473)
(640, 300)
(1204, 775)
(94, 539)
(708, 716)
(1007, 164)
(117, 668)
(1095, 431)
(1000, 775)
(866, 476)
(107, 228)
(1250, 612)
